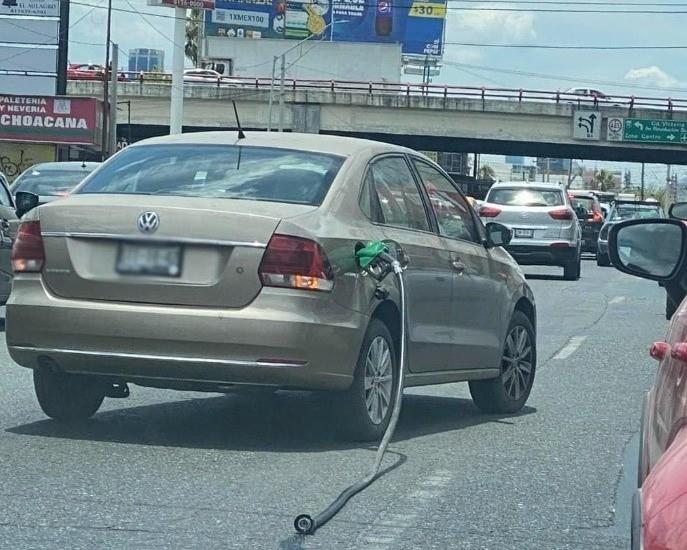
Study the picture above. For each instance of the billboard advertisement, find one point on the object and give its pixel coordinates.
(418, 25)
(50, 119)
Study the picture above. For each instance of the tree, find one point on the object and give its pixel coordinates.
(193, 35)
(604, 180)
(487, 173)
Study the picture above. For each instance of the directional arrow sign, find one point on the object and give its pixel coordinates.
(655, 131)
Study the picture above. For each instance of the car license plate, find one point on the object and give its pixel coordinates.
(524, 233)
(160, 260)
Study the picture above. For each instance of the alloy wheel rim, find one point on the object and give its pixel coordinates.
(378, 380)
(517, 363)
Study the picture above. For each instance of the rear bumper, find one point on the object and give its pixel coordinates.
(542, 254)
(290, 339)
(590, 237)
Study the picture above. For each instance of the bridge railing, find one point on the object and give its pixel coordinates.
(412, 90)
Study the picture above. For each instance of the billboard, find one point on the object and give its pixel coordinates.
(44, 119)
(418, 25)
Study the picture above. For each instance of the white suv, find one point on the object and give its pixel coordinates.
(545, 227)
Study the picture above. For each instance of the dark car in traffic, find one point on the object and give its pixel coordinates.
(588, 209)
(52, 180)
(621, 211)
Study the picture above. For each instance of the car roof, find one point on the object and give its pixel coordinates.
(75, 165)
(527, 185)
(333, 145)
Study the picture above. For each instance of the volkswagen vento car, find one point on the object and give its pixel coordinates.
(207, 262)
(656, 250)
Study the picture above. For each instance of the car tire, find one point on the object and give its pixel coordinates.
(68, 397)
(636, 531)
(641, 465)
(363, 422)
(602, 260)
(573, 269)
(499, 395)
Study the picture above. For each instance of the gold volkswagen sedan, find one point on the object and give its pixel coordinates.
(207, 262)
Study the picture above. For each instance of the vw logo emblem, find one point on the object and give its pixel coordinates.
(148, 222)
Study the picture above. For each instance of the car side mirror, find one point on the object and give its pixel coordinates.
(651, 249)
(678, 211)
(498, 234)
(25, 202)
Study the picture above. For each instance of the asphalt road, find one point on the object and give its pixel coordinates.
(187, 470)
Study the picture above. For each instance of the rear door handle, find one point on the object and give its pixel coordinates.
(458, 266)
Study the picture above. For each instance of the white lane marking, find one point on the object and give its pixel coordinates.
(571, 347)
(617, 300)
(387, 529)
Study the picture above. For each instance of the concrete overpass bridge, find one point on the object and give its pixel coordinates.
(433, 118)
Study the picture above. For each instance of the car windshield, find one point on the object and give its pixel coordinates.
(630, 211)
(51, 183)
(219, 171)
(526, 197)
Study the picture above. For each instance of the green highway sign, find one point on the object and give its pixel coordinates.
(656, 131)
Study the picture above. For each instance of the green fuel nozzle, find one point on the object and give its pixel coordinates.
(370, 252)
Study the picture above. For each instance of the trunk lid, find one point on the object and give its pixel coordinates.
(532, 218)
(94, 247)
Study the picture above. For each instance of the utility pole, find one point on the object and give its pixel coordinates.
(63, 49)
(281, 92)
(641, 191)
(176, 109)
(112, 147)
(271, 100)
(106, 82)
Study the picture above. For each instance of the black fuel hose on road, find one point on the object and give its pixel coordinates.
(307, 525)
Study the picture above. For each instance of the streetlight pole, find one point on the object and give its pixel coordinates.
(176, 112)
(283, 76)
(106, 82)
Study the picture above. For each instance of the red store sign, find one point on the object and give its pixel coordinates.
(41, 119)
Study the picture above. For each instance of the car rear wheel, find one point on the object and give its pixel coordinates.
(602, 260)
(509, 391)
(68, 397)
(368, 403)
(573, 269)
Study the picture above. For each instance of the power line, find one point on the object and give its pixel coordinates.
(460, 9)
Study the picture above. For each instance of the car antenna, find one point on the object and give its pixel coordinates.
(238, 121)
(83, 164)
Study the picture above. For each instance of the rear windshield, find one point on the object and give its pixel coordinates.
(526, 197)
(218, 171)
(584, 202)
(630, 211)
(50, 182)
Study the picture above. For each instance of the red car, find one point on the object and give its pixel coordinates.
(656, 249)
(88, 72)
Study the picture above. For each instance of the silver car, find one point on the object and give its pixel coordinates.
(52, 180)
(545, 227)
(207, 262)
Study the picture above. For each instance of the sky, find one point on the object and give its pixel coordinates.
(652, 73)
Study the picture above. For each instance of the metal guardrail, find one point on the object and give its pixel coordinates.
(422, 90)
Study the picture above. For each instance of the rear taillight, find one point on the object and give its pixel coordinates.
(28, 255)
(561, 214)
(294, 262)
(489, 211)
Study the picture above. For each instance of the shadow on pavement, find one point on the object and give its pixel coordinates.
(544, 277)
(284, 422)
